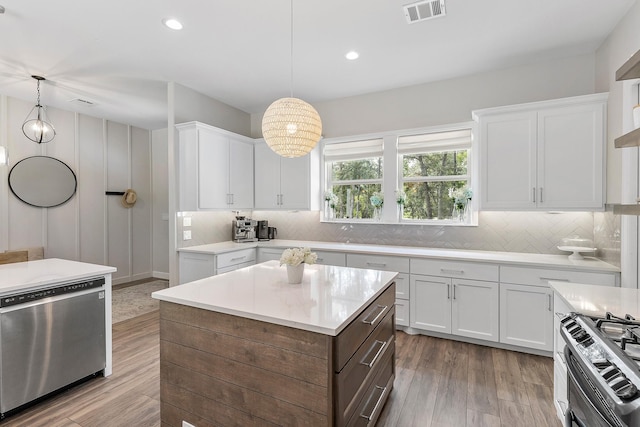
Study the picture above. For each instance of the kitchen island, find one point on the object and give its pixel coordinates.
(248, 348)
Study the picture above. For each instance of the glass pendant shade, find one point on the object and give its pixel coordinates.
(291, 127)
(37, 126)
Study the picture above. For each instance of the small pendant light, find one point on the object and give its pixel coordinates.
(37, 126)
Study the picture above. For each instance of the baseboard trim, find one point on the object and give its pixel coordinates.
(160, 275)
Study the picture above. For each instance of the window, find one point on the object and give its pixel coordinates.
(354, 173)
(433, 168)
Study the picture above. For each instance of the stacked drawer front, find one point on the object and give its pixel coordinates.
(364, 363)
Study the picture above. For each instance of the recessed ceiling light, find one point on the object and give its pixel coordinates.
(172, 23)
(352, 55)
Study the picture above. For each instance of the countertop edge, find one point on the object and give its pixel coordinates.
(558, 261)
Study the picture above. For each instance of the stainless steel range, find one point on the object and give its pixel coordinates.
(603, 358)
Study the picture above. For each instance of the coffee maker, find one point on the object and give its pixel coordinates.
(263, 230)
(243, 230)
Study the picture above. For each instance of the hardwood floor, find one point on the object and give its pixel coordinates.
(438, 383)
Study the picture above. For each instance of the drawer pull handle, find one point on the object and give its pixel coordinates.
(552, 279)
(238, 258)
(372, 322)
(377, 264)
(450, 271)
(382, 345)
(383, 391)
(319, 259)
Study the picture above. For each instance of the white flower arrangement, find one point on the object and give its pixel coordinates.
(297, 256)
(331, 198)
(377, 199)
(460, 196)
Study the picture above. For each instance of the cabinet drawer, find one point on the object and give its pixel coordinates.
(459, 269)
(542, 276)
(375, 396)
(378, 262)
(269, 254)
(362, 367)
(331, 258)
(402, 286)
(402, 312)
(236, 257)
(235, 267)
(350, 339)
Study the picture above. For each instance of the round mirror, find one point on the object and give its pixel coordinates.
(42, 181)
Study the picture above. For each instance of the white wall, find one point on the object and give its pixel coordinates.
(91, 227)
(451, 101)
(622, 164)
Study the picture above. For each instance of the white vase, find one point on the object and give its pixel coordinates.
(295, 273)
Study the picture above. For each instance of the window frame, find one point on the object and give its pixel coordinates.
(392, 174)
(468, 177)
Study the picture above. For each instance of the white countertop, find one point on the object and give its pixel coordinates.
(328, 299)
(540, 260)
(597, 300)
(44, 272)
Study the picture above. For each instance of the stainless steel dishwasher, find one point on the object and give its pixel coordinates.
(50, 338)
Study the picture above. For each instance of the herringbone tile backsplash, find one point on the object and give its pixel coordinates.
(528, 232)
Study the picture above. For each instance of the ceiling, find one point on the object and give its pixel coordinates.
(118, 55)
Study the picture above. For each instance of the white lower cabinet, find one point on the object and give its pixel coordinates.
(196, 266)
(526, 316)
(389, 263)
(560, 396)
(467, 308)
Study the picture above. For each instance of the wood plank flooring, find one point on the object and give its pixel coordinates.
(438, 383)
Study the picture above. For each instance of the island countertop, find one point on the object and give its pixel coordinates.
(44, 272)
(598, 300)
(328, 299)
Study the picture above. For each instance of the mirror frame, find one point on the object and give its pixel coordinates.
(33, 200)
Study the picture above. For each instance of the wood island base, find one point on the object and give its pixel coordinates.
(225, 370)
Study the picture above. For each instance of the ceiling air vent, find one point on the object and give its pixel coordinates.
(424, 10)
(83, 102)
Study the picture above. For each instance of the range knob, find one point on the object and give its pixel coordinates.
(628, 391)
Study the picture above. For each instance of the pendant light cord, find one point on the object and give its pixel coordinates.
(38, 89)
(291, 53)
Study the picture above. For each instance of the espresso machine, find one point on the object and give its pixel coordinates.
(243, 230)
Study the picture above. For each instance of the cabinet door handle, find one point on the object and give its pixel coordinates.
(231, 195)
(541, 195)
(281, 199)
(382, 309)
(448, 291)
(449, 271)
(377, 264)
(534, 194)
(382, 345)
(550, 300)
(383, 391)
(454, 291)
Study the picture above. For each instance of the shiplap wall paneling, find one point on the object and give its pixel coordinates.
(25, 222)
(141, 213)
(62, 221)
(118, 225)
(91, 189)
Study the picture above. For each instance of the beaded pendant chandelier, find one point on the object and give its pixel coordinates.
(290, 126)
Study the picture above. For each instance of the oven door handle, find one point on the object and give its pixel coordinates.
(569, 416)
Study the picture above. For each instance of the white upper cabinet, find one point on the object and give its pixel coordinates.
(282, 183)
(215, 168)
(544, 155)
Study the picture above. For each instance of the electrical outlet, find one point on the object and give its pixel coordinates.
(186, 221)
(186, 424)
(186, 235)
